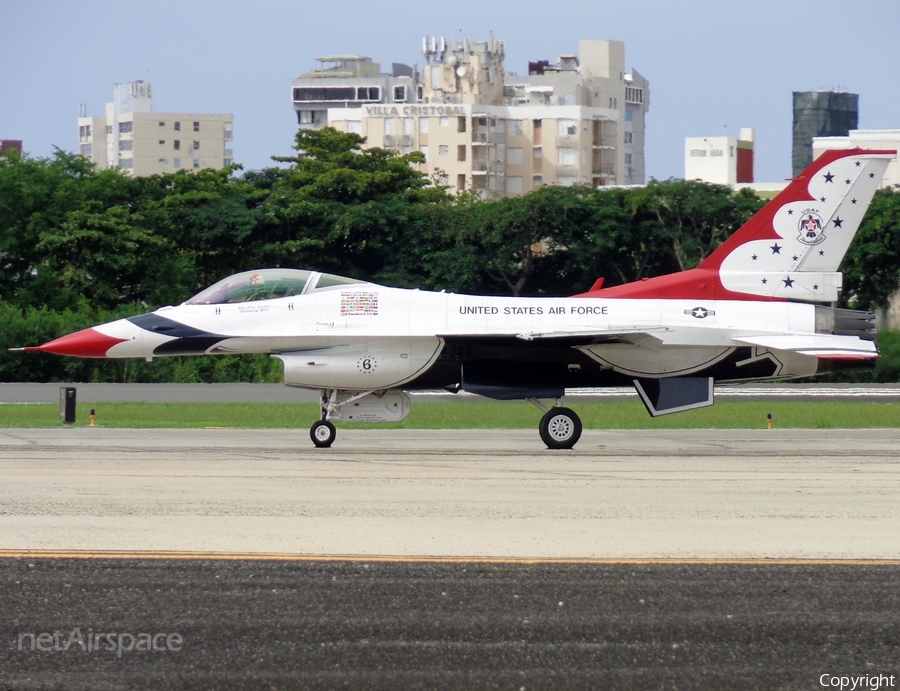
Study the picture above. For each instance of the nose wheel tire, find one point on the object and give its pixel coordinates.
(322, 434)
(560, 428)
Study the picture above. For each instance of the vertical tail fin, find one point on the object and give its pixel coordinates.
(792, 248)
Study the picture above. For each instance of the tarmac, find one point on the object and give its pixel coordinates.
(420, 559)
(455, 493)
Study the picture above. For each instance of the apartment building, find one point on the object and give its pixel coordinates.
(344, 81)
(480, 129)
(141, 142)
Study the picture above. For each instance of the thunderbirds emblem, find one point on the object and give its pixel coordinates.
(811, 228)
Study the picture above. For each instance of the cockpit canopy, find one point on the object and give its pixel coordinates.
(267, 284)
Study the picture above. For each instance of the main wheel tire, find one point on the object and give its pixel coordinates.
(322, 434)
(560, 428)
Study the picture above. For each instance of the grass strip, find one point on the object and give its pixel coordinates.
(481, 415)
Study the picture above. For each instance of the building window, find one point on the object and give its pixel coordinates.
(126, 163)
(461, 152)
(567, 127)
(126, 145)
(86, 150)
(196, 126)
(537, 181)
(628, 115)
(109, 129)
(443, 150)
(354, 126)
(399, 94)
(461, 123)
(629, 137)
(538, 152)
(196, 163)
(423, 125)
(407, 125)
(126, 127)
(445, 121)
(514, 155)
(84, 132)
(565, 157)
(176, 162)
(536, 124)
(177, 144)
(346, 94)
(424, 151)
(227, 162)
(515, 127)
(420, 93)
(196, 145)
(162, 141)
(177, 126)
(229, 133)
(628, 159)
(443, 180)
(162, 124)
(388, 125)
(514, 184)
(461, 182)
(565, 180)
(163, 160)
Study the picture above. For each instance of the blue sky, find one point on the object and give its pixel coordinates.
(711, 63)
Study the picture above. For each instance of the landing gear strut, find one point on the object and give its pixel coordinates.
(322, 431)
(560, 427)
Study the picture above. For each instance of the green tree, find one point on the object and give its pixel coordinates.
(695, 216)
(872, 266)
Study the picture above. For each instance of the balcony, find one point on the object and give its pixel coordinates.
(397, 140)
(567, 141)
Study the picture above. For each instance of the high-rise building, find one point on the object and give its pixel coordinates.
(346, 81)
(722, 160)
(820, 114)
(140, 142)
(580, 121)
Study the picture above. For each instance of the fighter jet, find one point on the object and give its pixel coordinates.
(755, 309)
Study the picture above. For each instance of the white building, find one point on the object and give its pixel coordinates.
(721, 160)
(141, 142)
(580, 121)
(865, 139)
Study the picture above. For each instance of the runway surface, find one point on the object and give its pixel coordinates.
(661, 493)
(420, 559)
(374, 625)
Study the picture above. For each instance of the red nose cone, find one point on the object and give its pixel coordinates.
(84, 343)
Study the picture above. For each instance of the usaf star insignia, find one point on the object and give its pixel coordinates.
(700, 312)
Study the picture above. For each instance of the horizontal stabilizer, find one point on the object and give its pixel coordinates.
(674, 394)
(818, 345)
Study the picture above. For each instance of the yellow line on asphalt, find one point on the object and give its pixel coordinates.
(387, 558)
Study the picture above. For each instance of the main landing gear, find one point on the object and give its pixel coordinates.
(560, 427)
